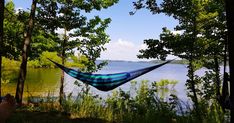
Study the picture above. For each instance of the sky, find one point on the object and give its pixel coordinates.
(127, 32)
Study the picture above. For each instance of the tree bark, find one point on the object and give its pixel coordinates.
(191, 70)
(230, 26)
(61, 91)
(1, 42)
(217, 76)
(191, 77)
(25, 51)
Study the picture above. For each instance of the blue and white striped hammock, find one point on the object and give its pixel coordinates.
(106, 82)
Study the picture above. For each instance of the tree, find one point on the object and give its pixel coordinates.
(15, 24)
(189, 48)
(150, 4)
(87, 36)
(13, 31)
(1, 39)
(215, 33)
(14, 27)
(202, 27)
(25, 52)
(230, 27)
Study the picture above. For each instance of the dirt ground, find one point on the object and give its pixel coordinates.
(48, 117)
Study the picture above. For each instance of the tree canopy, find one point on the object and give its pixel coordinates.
(201, 40)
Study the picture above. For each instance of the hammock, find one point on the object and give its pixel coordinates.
(106, 82)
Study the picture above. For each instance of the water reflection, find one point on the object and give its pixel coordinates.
(38, 81)
(44, 81)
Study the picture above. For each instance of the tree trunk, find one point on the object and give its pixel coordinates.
(191, 77)
(217, 76)
(192, 83)
(191, 70)
(26, 47)
(61, 92)
(224, 100)
(1, 42)
(230, 26)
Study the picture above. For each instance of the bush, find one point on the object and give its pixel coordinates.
(9, 63)
(123, 107)
(44, 62)
(79, 62)
(166, 82)
(34, 64)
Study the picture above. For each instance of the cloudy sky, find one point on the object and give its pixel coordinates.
(126, 32)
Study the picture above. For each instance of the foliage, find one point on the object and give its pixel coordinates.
(43, 60)
(201, 41)
(15, 24)
(10, 67)
(13, 32)
(79, 61)
(79, 33)
(123, 107)
(10, 63)
(41, 42)
(87, 36)
(165, 82)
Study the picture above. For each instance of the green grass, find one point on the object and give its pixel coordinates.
(120, 107)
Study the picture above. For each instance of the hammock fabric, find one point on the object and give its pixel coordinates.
(106, 82)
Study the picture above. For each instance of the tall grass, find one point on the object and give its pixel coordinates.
(126, 107)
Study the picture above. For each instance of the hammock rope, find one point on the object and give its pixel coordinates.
(107, 82)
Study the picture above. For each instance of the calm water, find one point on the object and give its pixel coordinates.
(44, 81)
(169, 71)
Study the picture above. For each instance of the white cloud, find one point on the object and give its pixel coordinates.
(173, 57)
(125, 50)
(177, 32)
(59, 30)
(122, 50)
(17, 10)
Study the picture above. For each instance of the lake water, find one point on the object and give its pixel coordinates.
(169, 71)
(46, 81)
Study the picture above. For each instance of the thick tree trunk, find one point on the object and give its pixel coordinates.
(26, 47)
(230, 26)
(224, 100)
(1, 41)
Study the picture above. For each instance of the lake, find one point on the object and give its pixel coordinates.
(170, 71)
(46, 81)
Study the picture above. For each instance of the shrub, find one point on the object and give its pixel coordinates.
(9, 63)
(44, 62)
